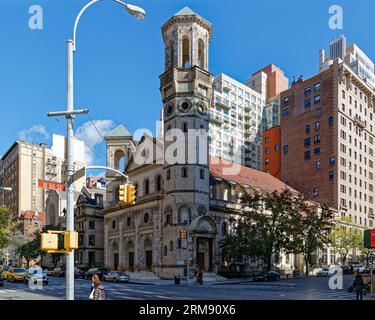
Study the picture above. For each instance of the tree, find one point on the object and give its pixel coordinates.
(29, 250)
(313, 228)
(6, 227)
(345, 238)
(264, 226)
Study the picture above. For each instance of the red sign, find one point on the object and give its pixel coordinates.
(372, 238)
(51, 185)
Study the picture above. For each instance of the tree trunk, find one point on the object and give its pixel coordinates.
(306, 258)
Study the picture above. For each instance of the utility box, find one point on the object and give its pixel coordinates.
(49, 241)
(71, 240)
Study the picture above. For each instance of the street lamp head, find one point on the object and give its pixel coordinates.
(135, 11)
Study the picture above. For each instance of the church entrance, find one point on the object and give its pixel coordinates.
(115, 261)
(204, 254)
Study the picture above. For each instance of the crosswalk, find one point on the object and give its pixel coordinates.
(328, 294)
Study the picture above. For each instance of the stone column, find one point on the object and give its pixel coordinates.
(136, 242)
(106, 261)
(121, 244)
(157, 243)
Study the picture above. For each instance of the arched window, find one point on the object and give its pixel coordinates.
(185, 52)
(226, 194)
(119, 160)
(129, 221)
(146, 217)
(146, 187)
(159, 183)
(201, 54)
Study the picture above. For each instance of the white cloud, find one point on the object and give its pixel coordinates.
(35, 132)
(87, 133)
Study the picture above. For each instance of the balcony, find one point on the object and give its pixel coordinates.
(371, 215)
(223, 103)
(359, 122)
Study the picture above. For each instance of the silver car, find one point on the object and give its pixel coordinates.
(116, 276)
(35, 275)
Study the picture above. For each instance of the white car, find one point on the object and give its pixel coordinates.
(359, 268)
(35, 275)
(315, 271)
(327, 272)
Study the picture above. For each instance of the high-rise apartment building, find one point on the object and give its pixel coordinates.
(327, 138)
(236, 122)
(24, 164)
(270, 81)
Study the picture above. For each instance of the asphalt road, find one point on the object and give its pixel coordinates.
(313, 288)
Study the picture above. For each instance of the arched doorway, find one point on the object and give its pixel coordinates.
(115, 253)
(148, 254)
(203, 230)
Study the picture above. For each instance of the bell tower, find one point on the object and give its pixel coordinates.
(186, 91)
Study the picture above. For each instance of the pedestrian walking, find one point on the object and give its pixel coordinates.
(200, 277)
(358, 286)
(97, 292)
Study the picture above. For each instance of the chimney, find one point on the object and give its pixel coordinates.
(321, 59)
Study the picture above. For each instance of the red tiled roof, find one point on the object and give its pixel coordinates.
(31, 215)
(246, 176)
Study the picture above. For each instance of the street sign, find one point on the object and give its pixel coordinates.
(79, 174)
(42, 184)
(369, 239)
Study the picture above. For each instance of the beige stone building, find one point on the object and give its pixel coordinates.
(25, 164)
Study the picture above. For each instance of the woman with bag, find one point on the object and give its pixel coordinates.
(97, 292)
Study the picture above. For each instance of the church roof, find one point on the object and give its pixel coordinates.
(186, 11)
(120, 131)
(246, 176)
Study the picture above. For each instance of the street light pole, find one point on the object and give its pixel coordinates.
(70, 171)
(139, 14)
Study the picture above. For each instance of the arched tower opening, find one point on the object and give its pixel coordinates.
(186, 52)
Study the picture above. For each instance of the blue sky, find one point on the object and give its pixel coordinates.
(119, 60)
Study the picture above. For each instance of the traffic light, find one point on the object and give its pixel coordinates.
(71, 240)
(131, 194)
(122, 193)
(50, 241)
(183, 234)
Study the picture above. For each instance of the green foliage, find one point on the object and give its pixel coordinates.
(344, 238)
(273, 222)
(312, 230)
(29, 250)
(6, 227)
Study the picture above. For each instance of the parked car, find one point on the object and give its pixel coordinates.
(328, 271)
(79, 272)
(15, 274)
(268, 276)
(35, 275)
(58, 272)
(101, 272)
(345, 270)
(116, 276)
(359, 268)
(48, 271)
(315, 271)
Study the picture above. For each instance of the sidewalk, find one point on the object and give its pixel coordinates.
(210, 282)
